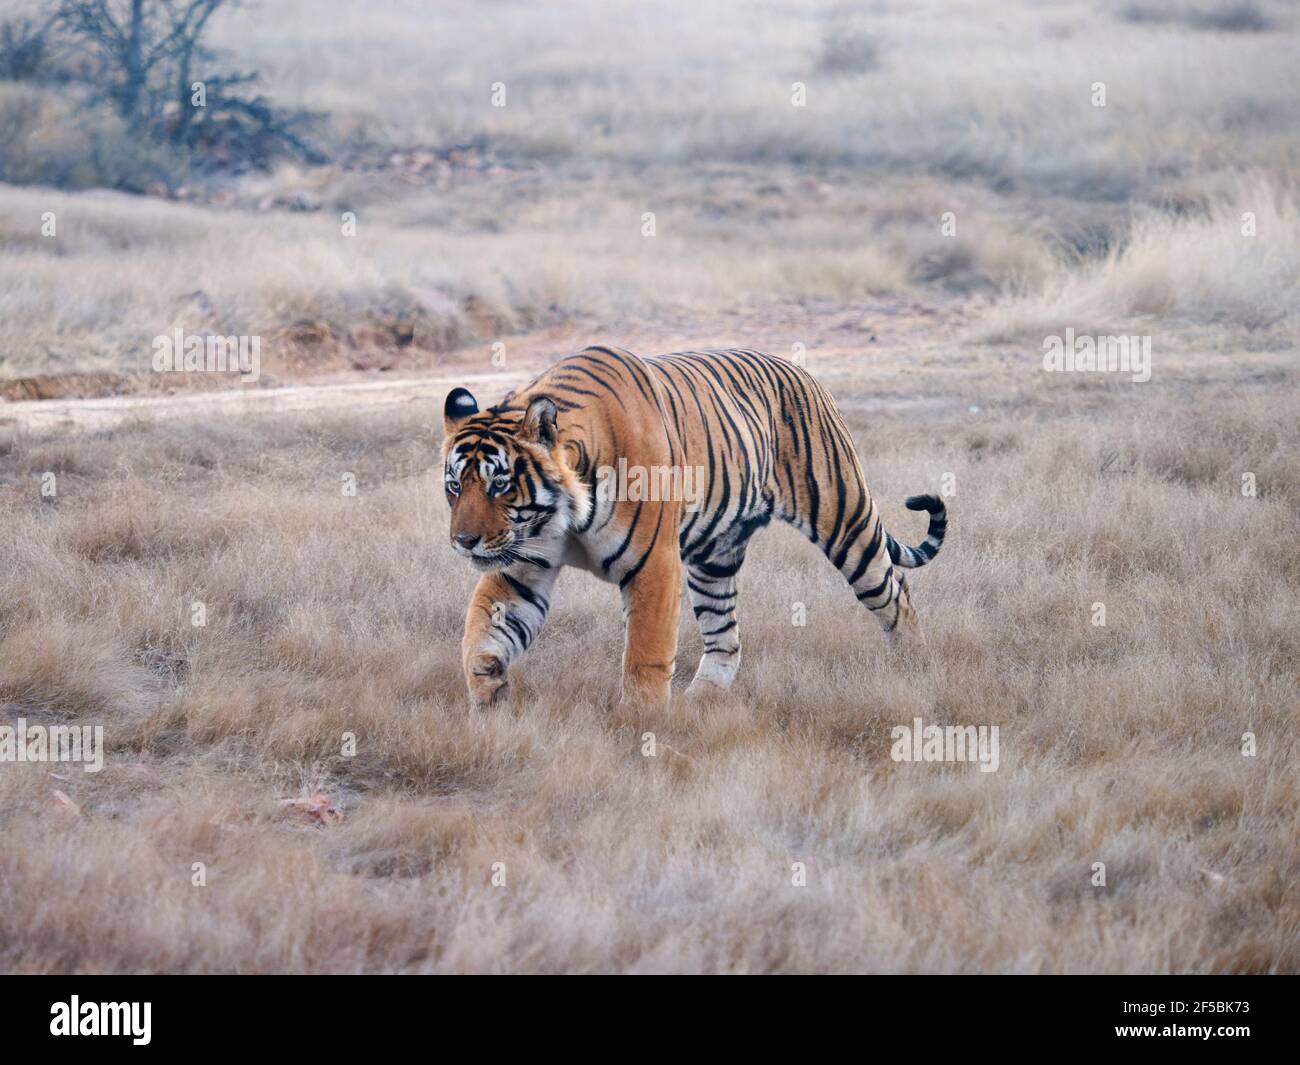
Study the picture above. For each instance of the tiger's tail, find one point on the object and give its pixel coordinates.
(912, 557)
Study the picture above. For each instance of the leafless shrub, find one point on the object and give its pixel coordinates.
(135, 80)
(24, 49)
(164, 81)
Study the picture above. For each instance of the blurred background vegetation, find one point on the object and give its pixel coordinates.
(477, 221)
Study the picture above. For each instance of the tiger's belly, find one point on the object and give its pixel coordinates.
(580, 554)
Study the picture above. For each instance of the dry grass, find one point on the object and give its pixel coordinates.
(330, 614)
(447, 269)
(1233, 259)
(945, 86)
(618, 109)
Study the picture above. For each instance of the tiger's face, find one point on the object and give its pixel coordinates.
(512, 496)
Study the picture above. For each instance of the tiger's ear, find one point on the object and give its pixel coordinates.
(539, 422)
(459, 406)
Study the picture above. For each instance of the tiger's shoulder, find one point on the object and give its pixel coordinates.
(599, 379)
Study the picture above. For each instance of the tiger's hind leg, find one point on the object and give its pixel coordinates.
(906, 633)
(878, 584)
(712, 588)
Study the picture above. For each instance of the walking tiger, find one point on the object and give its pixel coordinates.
(522, 483)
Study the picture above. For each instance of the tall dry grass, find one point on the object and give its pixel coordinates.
(329, 614)
(1234, 259)
(614, 110)
(933, 86)
(452, 269)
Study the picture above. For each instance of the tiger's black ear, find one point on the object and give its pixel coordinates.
(539, 422)
(459, 406)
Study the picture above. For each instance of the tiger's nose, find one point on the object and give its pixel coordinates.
(465, 540)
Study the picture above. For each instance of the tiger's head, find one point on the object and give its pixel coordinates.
(512, 493)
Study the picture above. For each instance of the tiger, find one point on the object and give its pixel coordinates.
(529, 488)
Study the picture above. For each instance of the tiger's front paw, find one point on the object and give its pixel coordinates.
(714, 675)
(646, 688)
(485, 674)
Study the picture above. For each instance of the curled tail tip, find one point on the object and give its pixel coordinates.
(933, 504)
(913, 557)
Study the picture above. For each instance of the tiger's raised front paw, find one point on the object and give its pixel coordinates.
(485, 675)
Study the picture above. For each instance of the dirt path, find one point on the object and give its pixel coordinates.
(49, 416)
(881, 334)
